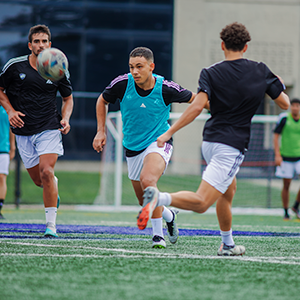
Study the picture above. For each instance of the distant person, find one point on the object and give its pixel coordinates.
(145, 105)
(287, 156)
(30, 102)
(234, 88)
(7, 153)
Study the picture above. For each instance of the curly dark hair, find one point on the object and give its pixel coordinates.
(38, 29)
(142, 52)
(235, 36)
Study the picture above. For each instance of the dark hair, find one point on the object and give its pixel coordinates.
(39, 29)
(142, 52)
(235, 36)
(295, 100)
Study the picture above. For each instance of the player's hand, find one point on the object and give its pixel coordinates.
(278, 160)
(163, 139)
(65, 126)
(99, 141)
(15, 120)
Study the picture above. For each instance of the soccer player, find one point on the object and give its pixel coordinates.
(145, 100)
(287, 157)
(234, 87)
(30, 102)
(7, 152)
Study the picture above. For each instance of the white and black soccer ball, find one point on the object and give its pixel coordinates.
(52, 64)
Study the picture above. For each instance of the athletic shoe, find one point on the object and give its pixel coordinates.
(149, 204)
(58, 198)
(296, 211)
(158, 242)
(50, 230)
(225, 250)
(1, 216)
(173, 231)
(286, 217)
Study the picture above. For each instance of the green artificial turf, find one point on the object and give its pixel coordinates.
(111, 266)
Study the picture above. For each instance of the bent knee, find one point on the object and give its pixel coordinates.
(201, 206)
(147, 181)
(47, 174)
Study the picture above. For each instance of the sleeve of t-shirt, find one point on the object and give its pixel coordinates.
(116, 89)
(6, 76)
(203, 83)
(280, 123)
(174, 93)
(274, 85)
(64, 86)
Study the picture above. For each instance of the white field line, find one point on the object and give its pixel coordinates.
(293, 260)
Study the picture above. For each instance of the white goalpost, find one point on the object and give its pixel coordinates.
(257, 186)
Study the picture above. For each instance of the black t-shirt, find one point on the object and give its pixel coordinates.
(235, 90)
(32, 95)
(171, 92)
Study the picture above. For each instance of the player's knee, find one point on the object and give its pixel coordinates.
(200, 206)
(147, 181)
(47, 174)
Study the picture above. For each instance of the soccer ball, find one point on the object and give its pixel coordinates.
(52, 64)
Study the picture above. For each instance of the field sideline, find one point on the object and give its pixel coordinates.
(102, 255)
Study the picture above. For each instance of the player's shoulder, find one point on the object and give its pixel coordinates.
(14, 61)
(214, 65)
(282, 116)
(172, 85)
(121, 79)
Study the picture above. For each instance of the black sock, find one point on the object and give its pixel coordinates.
(1, 204)
(286, 211)
(296, 205)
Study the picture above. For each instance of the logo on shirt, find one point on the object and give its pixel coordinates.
(22, 76)
(143, 105)
(49, 81)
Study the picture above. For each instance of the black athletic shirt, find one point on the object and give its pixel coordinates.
(171, 92)
(235, 89)
(32, 95)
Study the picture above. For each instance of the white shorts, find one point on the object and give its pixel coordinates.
(4, 163)
(33, 146)
(287, 169)
(135, 163)
(223, 163)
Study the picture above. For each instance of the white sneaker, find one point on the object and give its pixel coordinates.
(158, 242)
(225, 250)
(50, 230)
(172, 228)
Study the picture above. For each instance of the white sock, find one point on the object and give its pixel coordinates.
(51, 214)
(157, 227)
(164, 199)
(227, 237)
(167, 215)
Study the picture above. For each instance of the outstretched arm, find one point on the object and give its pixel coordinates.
(186, 118)
(100, 137)
(283, 101)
